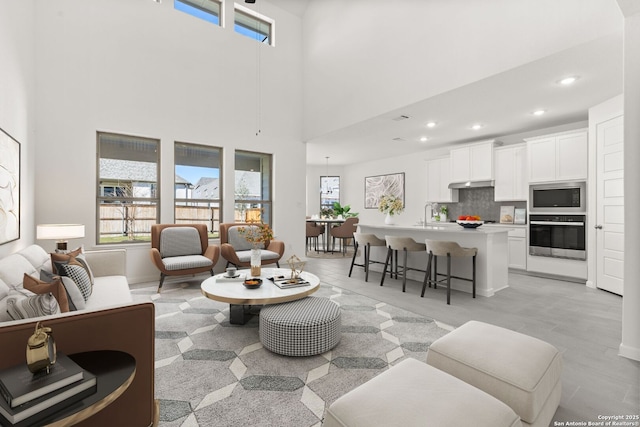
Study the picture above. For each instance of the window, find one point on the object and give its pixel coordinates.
(329, 191)
(253, 25)
(253, 187)
(197, 185)
(128, 177)
(209, 10)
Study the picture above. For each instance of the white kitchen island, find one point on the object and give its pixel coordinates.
(491, 261)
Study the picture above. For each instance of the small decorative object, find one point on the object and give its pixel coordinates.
(296, 265)
(326, 213)
(520, 216)
(256, 261)
(444, 212)
(390, 205)
(252, 283)
(469, 221)
(41, 349)
(506, 214)
(258, 234)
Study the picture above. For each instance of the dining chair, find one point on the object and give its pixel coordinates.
(344, 232)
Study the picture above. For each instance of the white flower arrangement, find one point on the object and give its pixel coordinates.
(390, 205)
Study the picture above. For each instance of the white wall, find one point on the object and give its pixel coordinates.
(347, 81)
(17, 112)
(630, 346)
(143, 68)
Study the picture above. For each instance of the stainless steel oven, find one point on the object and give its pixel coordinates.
(559, 236)
(566, 197)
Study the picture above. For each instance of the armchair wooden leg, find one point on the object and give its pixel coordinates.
(162, 276)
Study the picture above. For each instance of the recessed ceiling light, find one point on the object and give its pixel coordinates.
(539, 112)
(431, 124)
(568, 80)
(477, 126)
(423, 139)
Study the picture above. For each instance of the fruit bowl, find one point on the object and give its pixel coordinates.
(470, 224)
(252, 283)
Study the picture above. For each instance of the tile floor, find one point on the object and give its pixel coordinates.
(584, 323)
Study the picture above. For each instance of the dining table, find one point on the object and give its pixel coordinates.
(328, 222)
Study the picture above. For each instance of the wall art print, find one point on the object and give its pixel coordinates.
(380, 185)
(9, 188)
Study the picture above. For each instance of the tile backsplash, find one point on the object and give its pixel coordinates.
(479, 201)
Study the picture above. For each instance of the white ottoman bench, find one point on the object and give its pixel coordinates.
(522, 371)
(412, 394)
(305, 327)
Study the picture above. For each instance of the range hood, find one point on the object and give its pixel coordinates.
(472, 184)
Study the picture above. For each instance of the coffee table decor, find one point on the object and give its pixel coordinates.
(296, 265)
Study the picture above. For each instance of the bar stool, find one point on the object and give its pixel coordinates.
(404, 244)
(437, 248)
(366, 240)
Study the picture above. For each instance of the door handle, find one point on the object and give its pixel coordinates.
(598, 227)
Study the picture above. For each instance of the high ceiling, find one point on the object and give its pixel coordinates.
(503, 103)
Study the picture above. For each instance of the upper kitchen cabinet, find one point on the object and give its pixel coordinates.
(472, 162)
(558, 157)
(510, 173)
(438, 178)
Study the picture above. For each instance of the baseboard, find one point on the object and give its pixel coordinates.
(629, 352)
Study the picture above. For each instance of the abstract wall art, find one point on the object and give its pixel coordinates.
(380, 185)
(9, 188)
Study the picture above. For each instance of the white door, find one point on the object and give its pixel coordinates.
(610, 205)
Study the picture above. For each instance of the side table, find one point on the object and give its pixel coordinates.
(114, 370)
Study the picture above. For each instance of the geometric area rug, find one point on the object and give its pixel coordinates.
(211, 373)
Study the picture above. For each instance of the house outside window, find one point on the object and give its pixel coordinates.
(128, 177)
(197, 185)
(254, 25)
(253, 174)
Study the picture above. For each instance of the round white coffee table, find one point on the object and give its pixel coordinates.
(242, 300)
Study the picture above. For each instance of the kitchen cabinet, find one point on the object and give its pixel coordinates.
(473, 162)
(510, 173)
(517, 248)
(438, 178)
(558, 157)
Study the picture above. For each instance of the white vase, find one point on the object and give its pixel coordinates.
(388, 219)
(443, 217)
(256, 262)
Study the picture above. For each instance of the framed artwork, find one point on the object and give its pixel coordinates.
(9, 188)
(506, 214)
(380, 185)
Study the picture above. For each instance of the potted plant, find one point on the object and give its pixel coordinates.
(390, 205)
(343, 211)
(444, 211)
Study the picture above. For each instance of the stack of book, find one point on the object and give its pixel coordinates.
(29, 398)
(283, 283)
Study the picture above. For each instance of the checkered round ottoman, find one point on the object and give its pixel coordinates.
(304, 327)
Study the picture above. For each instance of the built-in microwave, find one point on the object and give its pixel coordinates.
(566, 197)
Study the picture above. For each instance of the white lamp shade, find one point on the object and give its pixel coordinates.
(59, 231)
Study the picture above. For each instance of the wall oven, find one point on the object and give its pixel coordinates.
(567, 197)
(558, 236)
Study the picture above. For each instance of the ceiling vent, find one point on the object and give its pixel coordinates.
(398, 139)
(400, 118)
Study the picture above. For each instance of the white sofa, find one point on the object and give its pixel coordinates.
(110, 288)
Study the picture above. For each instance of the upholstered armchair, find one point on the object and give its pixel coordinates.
(181, 249)
(237, 250)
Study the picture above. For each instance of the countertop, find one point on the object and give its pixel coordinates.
(493, 224)
(444, 227)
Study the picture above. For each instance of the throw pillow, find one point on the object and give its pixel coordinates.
(80, 277)
(77, 254)
(74, 296)
(42, 287)
(23, 305)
